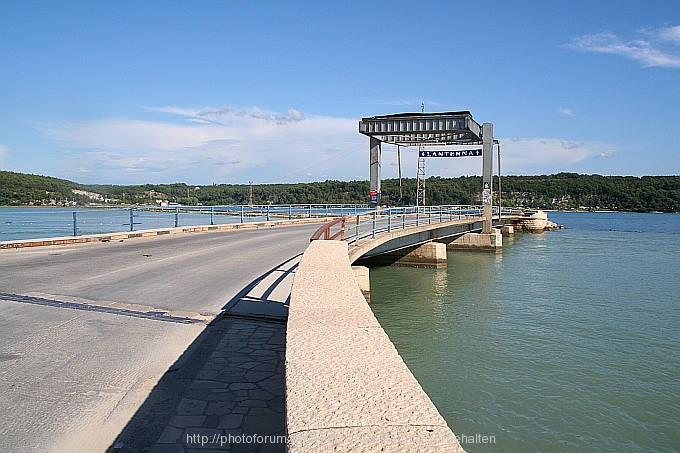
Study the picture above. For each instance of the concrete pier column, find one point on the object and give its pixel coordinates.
(430, 254)
(507, 230)
(482, 242)
(487, 174)
(362, 277)
(375, 157)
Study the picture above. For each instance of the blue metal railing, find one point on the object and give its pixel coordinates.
(37, 222)
(368, 224)
(372, 223)
(247, 213)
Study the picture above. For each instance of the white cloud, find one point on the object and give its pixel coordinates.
(671, 34)
(567, 144)
(651, 54)
(563, 111)
(519, 156)
(540, 155)
(605, 154)
(240, 145)
(212, 145)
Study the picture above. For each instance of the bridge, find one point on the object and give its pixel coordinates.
(109, 344)
(336, 349)
(97, 335)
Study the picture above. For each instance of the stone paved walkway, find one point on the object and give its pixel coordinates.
(228, 393)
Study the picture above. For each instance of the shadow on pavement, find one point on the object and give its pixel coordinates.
(226, 392)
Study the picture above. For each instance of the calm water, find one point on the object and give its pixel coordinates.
(568, 341)
(43, 222)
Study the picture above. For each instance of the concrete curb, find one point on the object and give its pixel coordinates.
(347, 388)
(108, 237)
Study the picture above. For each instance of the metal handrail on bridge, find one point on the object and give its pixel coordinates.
(370, 223)
(267, 211)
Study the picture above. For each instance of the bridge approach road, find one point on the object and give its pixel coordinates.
(70, 379)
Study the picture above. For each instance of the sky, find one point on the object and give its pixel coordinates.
(269, 91)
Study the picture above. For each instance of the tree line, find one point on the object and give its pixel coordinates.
(559, 191)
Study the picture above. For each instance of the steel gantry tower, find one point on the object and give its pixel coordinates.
(429, 129)
(421, 175)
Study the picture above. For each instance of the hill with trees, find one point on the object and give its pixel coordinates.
(560, 191)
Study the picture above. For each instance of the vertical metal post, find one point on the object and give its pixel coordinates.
(487, 174)
(500, 204)
(389, 220)
(290, 212)
(241, 213)
(310, 211)
(401, 194)
(357, 232)
(267, 213)
(375, 221)
(212, 215)
(75, 224)
(403, 220)
(375, 152)
(132, 222)
(176, 217)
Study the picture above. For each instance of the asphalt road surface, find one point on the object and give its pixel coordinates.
(70, 379)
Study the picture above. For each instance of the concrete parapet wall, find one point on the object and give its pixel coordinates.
(347, 388)
(107, 237)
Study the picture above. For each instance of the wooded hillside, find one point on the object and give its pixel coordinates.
(560, 191)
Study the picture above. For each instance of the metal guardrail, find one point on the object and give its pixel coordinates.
(267, 212)
(18, 223)
(368, 224)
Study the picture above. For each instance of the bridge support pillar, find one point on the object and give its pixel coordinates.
(361, 275)
(430, 254)
(487, 174)
(482, 242)
(375, 168)
(507, 230)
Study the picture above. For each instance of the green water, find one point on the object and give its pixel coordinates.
(568, 341)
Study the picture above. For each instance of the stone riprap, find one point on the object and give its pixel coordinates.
(347, 388)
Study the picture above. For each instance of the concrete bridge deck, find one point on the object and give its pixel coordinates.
(72, 378)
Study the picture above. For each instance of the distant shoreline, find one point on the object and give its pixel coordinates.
(121, 206)
(559, 192)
